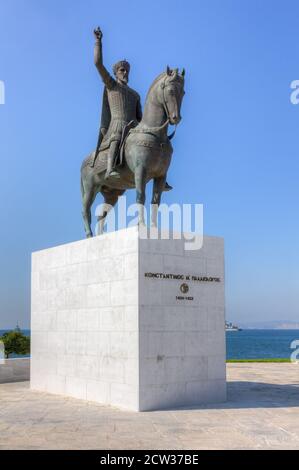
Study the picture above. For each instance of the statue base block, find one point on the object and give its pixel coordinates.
(130, 322)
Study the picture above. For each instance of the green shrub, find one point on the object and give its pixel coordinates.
(15, 342)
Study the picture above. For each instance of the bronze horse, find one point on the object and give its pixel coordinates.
(147, 154)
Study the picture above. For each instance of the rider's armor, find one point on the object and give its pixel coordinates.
(121, 105)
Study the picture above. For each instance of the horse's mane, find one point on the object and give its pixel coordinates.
(159, 77)
(154, 83)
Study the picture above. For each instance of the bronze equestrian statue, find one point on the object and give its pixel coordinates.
(136, 146)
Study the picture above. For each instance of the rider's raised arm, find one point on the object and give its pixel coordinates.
(98, 60)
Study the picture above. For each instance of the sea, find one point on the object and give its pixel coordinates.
(251, 344)
(260, 344)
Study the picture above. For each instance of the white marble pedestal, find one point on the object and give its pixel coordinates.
(115, 320)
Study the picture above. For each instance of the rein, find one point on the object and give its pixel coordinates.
(152, 130)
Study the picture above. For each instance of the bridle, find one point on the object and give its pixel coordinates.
(163, 86)
(152, 130)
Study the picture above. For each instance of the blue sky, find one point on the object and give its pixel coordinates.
(235, 151)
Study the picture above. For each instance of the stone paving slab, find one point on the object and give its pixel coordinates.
(262, 412)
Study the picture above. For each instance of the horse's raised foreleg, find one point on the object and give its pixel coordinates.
(88, 196)
(140, 183)
(158, 188)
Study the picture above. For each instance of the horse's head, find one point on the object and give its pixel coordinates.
(171, 92)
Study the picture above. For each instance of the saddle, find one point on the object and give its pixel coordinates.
(120, 153)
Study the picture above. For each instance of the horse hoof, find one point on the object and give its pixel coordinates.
(89, 235)
(167, 187)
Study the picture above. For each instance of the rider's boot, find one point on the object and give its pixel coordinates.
(110, 160)
(112, 173)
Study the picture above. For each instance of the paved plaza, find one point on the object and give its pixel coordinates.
(262, 412)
